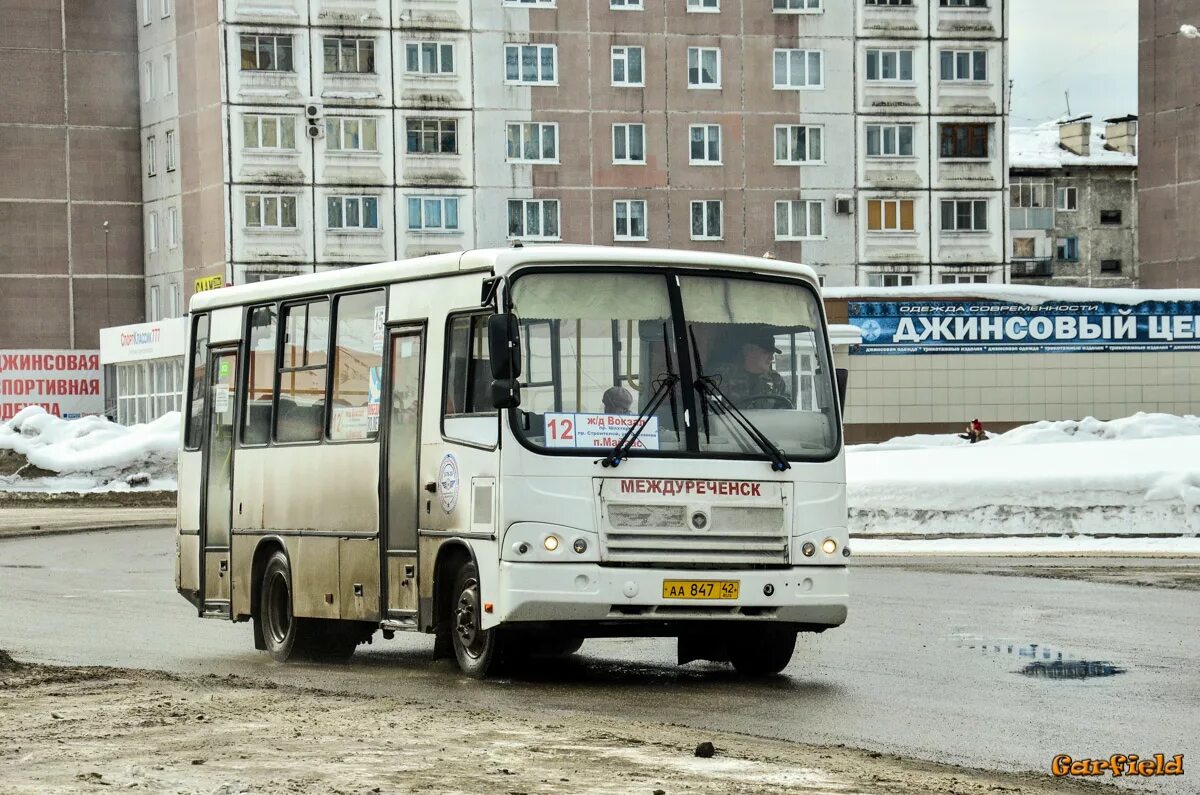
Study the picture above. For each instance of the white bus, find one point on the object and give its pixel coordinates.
(515, 450)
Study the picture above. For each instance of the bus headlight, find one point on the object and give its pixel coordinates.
(551, 543)
(829, 546)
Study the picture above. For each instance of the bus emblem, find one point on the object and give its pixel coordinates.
(448, 482)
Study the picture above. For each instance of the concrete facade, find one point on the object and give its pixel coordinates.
(1169, 111)
(70, 199)
(1074, 206)
(716, 125)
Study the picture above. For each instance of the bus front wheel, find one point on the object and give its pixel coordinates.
(476, 649)
(762, 651)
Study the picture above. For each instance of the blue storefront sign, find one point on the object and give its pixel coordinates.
(966, 326)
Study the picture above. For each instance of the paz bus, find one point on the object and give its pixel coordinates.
(514, 450)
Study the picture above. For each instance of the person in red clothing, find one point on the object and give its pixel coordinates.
(975, 432)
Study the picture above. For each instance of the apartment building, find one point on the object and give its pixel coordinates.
(1074, 207)
(864, 137)
(70, 202)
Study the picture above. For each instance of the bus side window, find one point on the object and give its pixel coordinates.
(357, 366)
(260, 375)
(301, 376)
(467, 410)
(199, 365)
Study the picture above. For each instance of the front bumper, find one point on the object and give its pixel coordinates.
(538, 592)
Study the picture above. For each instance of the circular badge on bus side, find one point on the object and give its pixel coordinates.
(448, 482)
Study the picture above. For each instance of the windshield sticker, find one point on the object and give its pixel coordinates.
(598, 431)
(350, 422)
(377, 330)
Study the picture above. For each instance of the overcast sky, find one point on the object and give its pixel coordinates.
(1088, 47)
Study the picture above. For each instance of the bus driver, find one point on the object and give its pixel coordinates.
(756, 376)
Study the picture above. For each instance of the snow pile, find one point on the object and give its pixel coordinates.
(90, 453)
(1135, 476)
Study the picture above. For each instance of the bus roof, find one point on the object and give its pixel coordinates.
(499, 261)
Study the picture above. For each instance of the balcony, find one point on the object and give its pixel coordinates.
(1032, 267)
(1032, 217)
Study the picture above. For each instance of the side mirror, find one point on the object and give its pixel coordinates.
(842, 376)
(504, 346)
(506, 393)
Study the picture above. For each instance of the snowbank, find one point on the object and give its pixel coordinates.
(1137, 475)
(91, 453)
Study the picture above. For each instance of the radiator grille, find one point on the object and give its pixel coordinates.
(661, 535)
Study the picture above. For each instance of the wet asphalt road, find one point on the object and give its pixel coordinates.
(923, 668)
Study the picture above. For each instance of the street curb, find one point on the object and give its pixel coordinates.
(31, 532)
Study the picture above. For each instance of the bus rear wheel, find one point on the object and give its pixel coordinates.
(477, 650)
(761, 651)
(286, 636)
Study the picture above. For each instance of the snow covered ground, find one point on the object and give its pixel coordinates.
(1044, 482)
(90, 453)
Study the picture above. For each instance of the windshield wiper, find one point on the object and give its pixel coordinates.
(707, 385)
(662, 388)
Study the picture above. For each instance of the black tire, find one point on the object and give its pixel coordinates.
(477, 650)
(761, 651)
(280, 628)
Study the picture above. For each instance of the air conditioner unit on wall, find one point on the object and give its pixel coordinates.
(314, 129)
(843, 205)
(312, 109)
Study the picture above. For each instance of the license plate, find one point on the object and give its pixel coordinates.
(700, 589)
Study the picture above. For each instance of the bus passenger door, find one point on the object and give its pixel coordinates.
(401, 474)
(216, 507)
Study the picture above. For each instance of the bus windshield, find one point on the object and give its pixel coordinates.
(597, 346)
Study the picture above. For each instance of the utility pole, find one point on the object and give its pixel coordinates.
(107, 287)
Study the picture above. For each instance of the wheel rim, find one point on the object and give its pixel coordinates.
(467, 632)
(279, 608)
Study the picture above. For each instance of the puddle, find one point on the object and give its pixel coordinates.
(1042, 661)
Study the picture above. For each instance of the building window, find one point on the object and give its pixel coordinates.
(1024, 247)
(799, 220)
(532, 142)
(890, 279)
(350, 134)
(428, 58)
(155, 304)
(795, 6)
(352, 212)
(963, 140)
(964, 215)
(431, 136)
(433, 213)
(706, 220)
(1110, 216)
(264, 53)
(890, 140)
(1066, 249)
(152, 231)
(704, 67)
(148, 80)
(350, 56)
(964, 3)
(530, 64)
(625, 5)
(269, 132)
(629, 219)
(796, 69)
(797, 143)
(1029, 194)
(541, 3)
(1110, 266)
(170, 145)
(627, 66)
(147, 17)
(151, 157)
(705, 144)
(964, 65)
(533, 219)
(629, 143)
(964, 278)
(889, 2)
(172, 229)
(890, 215)
(168, 75)
(270, 211)
(1067, 199)
(704, 6)
(891, 66)
(166, 8)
